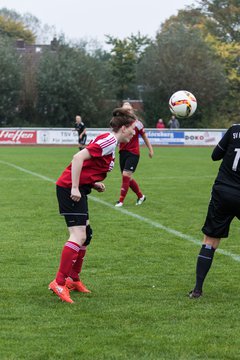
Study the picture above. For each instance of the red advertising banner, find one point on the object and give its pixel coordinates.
(18, 137)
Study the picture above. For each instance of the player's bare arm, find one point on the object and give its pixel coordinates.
(148, 144)
(77, 164)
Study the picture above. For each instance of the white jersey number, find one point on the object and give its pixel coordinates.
(236, 159)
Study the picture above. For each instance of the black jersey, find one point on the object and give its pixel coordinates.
(228, 149)
(80, 127)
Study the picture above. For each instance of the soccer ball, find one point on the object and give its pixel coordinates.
(182, 104)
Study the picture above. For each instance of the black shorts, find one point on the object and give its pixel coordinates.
(83, 140)
(75, 212)
(128, 161)
(223, 207)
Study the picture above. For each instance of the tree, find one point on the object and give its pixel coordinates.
(125, 55)
(69, 82)
(10, 83)
(218, 22)
(229, 54)
(181, 59)
(224, 18)
(14, 29)
(39, 32)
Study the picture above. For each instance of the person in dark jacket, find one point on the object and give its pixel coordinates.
(173, 123)
(82, 132)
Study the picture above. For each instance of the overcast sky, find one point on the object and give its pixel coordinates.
(92, 19)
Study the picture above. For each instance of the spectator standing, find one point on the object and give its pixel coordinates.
(160, 124)
(173, 123)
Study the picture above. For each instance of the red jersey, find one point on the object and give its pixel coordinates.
(133, 145)
(102, 151)
(160, 125)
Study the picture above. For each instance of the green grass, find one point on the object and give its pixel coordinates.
(139, 274)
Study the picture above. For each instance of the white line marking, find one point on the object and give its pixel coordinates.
(129, 213)
(27, 171)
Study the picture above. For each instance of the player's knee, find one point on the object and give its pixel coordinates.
(127, 173)
(89, 234)
(78, 238)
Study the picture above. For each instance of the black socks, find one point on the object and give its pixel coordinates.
(204, 263)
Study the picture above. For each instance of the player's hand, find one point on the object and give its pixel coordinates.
(75, 194)
(150, 153)
(100, 187)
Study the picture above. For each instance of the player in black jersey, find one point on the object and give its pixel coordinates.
(82, 132)
(224, 203)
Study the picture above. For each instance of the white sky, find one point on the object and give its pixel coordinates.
(92, 19)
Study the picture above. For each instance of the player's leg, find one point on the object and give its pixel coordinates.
(128, 164)
(126, 177)
(79, 141)
(134, 186)
(216, 226)
(70, 252)
(73, 282)
(82, 142)
(204, 262)
(68, 257)
(84, 139)
(136, 189)
(80, 145)
(75, 214)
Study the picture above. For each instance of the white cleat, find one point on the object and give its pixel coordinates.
(119, 204)
(141, 200)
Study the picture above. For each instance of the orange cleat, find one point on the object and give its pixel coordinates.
(76, 285)
(61, 291)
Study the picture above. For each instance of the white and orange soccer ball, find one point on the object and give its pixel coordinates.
(182, 104)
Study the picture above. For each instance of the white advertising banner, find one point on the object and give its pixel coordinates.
(203, 138)
(62, 137)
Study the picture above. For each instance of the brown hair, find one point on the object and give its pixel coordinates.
(121, 117)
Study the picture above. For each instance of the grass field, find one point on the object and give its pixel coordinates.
(139, 266)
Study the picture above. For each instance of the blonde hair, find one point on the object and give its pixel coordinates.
(127, 105)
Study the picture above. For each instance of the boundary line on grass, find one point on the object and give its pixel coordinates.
(129, 213)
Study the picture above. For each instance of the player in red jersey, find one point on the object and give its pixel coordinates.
(129, 154)
(87, 170)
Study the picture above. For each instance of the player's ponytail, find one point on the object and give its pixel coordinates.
(121, 117)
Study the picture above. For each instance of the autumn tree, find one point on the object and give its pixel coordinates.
(37, 31)
(14, 29)
(218, 21)
(181, 59)
(223, 18)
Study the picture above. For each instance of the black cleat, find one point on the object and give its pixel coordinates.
(195, 294)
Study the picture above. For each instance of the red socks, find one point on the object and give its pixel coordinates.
(135, 188)
(69, 257)
(77, 266)
(126, 183)
(124, 187)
